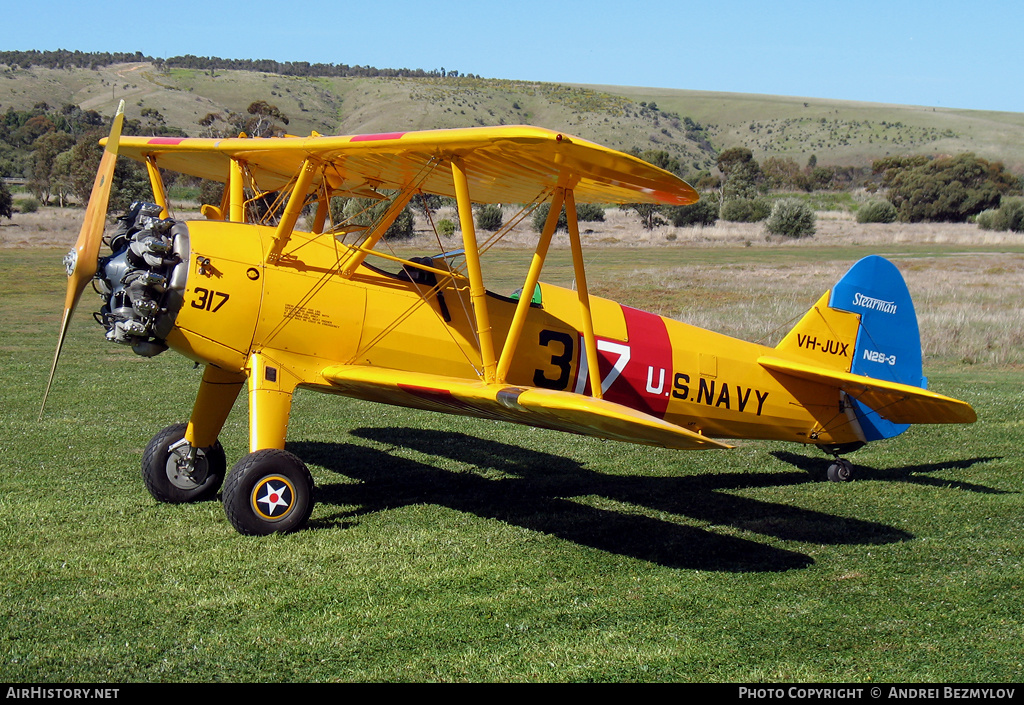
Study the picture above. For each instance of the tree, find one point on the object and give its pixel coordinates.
(33, 129)
(734, 157)
(74, 120)
(661, 159)
(85, 160)
(60, 178)
(207, 122)
(948, 189)
(743, 176)
(6, 202)
(45, 152)
(650, 214)
(262, 123)
(130, 181)
(785, 173)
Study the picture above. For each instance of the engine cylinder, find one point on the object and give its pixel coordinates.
(142, 282)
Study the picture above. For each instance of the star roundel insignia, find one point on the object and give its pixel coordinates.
(273, 497)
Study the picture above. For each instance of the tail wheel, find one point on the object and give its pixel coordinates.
(172, 476)
(269, 491)
(841, 470)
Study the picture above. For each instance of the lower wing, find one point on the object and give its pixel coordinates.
(532, 406)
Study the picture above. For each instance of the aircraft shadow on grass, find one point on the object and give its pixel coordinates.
(536, 491)
(915, 474)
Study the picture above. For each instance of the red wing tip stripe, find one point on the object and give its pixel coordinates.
(166, 140)
(378, 137)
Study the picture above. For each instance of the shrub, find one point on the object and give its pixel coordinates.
(791, 217)
(986, 220)
(27, 205)
(877, 212)
(211, 192)
(446, 227)
(401, 229)
(367, 211)
(1013, 212)
(745, 210)
(1009, 216)
(586, 212)
(589, 213)
(540, 215)
(489, 217)
(703, 212)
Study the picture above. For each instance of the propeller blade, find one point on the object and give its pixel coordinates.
(82, 261)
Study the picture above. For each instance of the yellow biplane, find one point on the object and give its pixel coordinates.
(265, 305)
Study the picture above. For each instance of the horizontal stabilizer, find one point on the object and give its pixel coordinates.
(532, 406)
(898, 403)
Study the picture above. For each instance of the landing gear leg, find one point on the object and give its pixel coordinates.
(269, 490)
(185, 462)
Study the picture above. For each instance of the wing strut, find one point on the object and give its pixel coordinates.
(235, 192)
(351, 261)
(589, 341)
(532, 277)
(477, 292)
(291, 211)
(156, 182)
(566, 197)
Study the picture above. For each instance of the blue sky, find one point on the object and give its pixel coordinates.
(938, 53)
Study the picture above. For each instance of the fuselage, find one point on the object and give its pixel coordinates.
(307, 312)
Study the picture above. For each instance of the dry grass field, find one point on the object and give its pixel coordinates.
(58, 227)
(967, 283)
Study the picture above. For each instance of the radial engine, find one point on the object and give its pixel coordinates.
(143, 282)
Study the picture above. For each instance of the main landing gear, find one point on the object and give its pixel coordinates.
(269, 491)
(177, 473)
(266, 492)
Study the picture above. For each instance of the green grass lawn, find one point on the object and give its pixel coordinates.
(451, 549)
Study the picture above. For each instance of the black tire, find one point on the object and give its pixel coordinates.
(268, 492)
(840, 470)
(164, 480)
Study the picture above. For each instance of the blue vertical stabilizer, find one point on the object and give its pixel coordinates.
(888, 343)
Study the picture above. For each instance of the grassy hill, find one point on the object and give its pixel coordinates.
(692, 125)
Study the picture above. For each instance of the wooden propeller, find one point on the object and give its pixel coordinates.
(82, 261)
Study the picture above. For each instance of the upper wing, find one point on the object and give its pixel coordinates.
(509, 164)
(898, 403)
(532, 406)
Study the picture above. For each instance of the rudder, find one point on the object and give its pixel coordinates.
(888, 345)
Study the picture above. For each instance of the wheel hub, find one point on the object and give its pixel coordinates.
(186, 467)
(272, 498)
